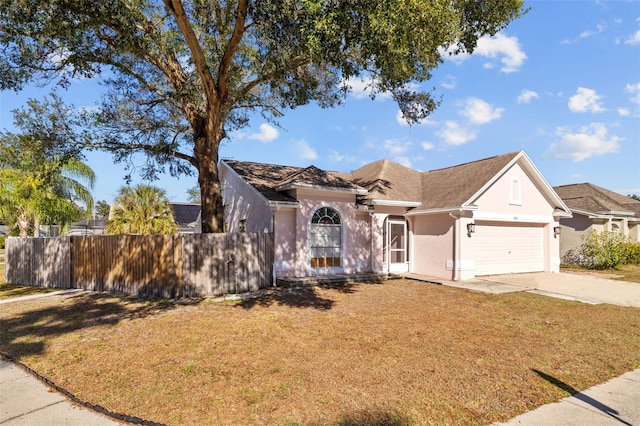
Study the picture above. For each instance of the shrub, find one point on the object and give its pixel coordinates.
(2, 240)
(608, 250)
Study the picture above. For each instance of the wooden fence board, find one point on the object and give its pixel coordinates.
(153, 265)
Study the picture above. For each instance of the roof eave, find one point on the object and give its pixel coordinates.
(391, 203)
(442, 210)
(289, 186)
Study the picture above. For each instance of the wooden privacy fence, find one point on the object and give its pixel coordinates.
(145, 265)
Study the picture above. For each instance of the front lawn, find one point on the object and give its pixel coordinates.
(624, 272)
(398, 353)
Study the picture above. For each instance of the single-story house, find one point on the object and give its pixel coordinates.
(492, 216)
(595, 209)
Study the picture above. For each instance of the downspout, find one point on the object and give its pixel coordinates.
(456, 246)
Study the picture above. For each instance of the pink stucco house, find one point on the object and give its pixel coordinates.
(492, 216)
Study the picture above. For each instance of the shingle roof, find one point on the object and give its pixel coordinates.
(591, 198)
(267, 177)
(454, 186)
(386, 180)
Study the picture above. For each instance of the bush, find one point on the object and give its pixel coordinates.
(608, 250)
(2, 240)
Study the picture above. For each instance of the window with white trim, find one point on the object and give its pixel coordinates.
(515, 191)
(326, 238)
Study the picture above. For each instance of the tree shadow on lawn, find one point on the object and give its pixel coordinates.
(582, 397)
(297, 297)
(27, 333)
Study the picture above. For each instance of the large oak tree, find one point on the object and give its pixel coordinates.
(181, 74)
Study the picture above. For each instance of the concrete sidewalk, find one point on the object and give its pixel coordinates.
(24, 400)
(616, 402)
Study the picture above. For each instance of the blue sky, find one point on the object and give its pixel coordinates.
(561, 83)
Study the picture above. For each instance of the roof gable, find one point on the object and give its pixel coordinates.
(455, 186)
(313, 177)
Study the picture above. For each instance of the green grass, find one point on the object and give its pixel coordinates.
(8, 291)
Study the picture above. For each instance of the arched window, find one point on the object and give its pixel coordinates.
(326, 238)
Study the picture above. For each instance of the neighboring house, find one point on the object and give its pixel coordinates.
(187, 216)
(87, 227)
(492, 216)
(595, 209)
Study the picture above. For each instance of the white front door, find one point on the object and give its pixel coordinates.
(396, 245)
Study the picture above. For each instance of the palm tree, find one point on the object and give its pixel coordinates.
(143, 210)
(48, 195)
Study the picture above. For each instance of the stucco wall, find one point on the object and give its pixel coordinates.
(498, 201)
(285, 242)
(355, 232)
(432, 247)
(243, 202)
(571, 232)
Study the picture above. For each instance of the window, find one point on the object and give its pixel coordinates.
(615, 228)
(515, 193)
(326, 238)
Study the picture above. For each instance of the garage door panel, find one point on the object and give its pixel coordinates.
(508, 248)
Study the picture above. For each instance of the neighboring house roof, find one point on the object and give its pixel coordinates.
(90, 224)
(590, 198)
(185, 214)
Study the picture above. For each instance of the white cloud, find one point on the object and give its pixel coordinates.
(633, 39)
(449, 82)
(526, 96)
(623, 112)
(599, 28)
(506, 48)
(336, 157)
(396, 146)
(361, 88)
(405, 161)
(585, 100)
(305, 151)
(480, 112)
(634, 90)
(589, 141)
(266, 134)
(453, 134)
(428, 146)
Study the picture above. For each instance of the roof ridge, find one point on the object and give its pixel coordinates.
(474, 161)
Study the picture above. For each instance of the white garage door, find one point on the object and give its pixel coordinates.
(508, 248)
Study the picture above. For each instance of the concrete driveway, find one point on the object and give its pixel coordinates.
(583, 288)
(579, 287)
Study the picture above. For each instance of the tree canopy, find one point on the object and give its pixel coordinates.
(182, 74)
(141, 210)
(43, 180)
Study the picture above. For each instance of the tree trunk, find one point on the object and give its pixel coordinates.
(207, 142)
(23, 225)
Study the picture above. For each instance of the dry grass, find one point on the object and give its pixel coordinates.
(624, 272)
(397, 353)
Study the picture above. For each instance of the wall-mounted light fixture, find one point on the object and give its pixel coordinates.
(556, 231)
(471, 228)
